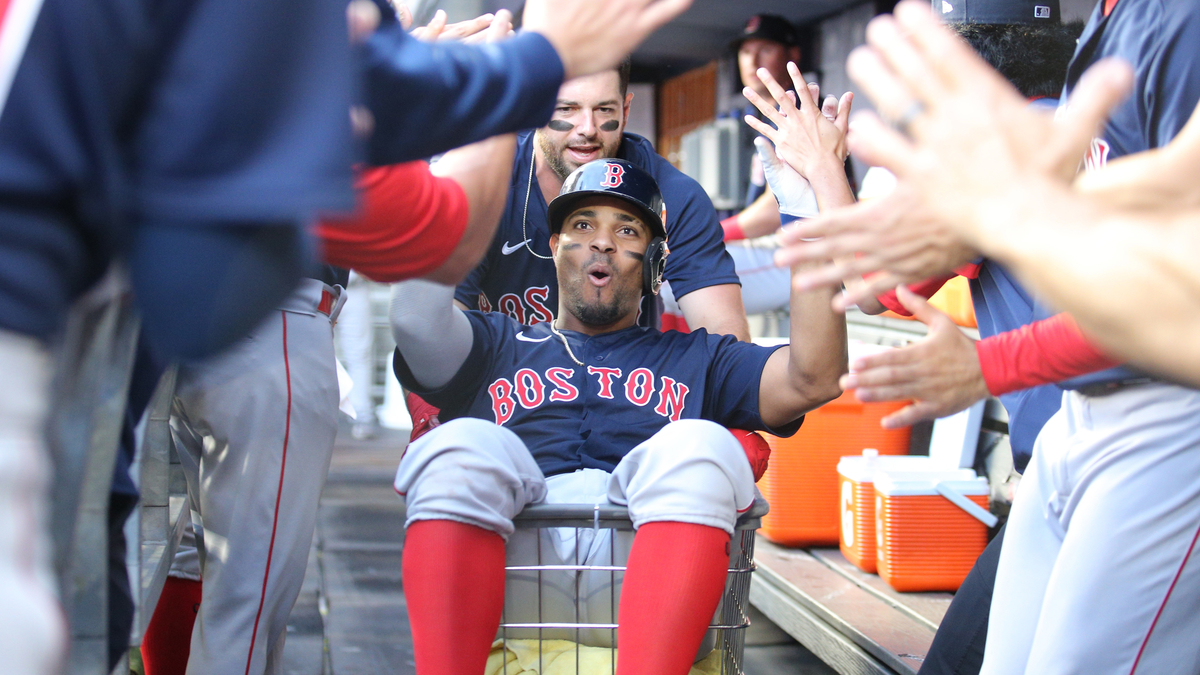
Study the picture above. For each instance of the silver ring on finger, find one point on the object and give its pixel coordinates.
(914, 110)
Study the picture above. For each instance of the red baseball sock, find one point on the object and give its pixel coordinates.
(168, 638)
(675, 578)
(454, 587)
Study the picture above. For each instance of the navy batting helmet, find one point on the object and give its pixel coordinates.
(611, 178)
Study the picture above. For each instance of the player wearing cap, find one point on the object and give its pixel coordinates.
(587, 407)
(516, 277)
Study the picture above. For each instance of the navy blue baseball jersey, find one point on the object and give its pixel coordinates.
(1159, 39)
(144, 129)
(513, 280)
(1002, 304)
(632, 383)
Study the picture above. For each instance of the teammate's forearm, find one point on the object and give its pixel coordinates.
(818, 353)
(432, 334)
(1128, 278)
(482, 170)
(761, 217)
(830, 185)
(427, 98)
(1163, 178)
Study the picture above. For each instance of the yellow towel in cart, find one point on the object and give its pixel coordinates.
(558, 657)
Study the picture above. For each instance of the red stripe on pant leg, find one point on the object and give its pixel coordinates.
(1163, 606)
(287, 371)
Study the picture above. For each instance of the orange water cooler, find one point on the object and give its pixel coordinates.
(856, 502)
(802, 482)
(929, 528)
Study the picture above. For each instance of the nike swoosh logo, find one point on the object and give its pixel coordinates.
(524, 338)
(509, 249)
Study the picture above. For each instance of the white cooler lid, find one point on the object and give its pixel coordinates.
(900, 483)
(862, 470)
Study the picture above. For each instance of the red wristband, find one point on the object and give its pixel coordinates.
(733, 231)
(1043, 352)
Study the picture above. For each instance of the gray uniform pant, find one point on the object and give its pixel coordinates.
(255, 428)
(477, 472)
(1100, 571)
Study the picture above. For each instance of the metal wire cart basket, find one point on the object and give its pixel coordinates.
(563, 588)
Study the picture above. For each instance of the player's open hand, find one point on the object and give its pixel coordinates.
(940, 374)
(590, 36)
(964, 146)
(961, 135)
(484, 28)
(890, 240)
(807, 136)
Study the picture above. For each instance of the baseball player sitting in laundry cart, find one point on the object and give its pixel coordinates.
(589, 409)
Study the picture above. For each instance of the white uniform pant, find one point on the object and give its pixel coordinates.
(1099, 572)
(356, 339)
(255, 428)
(32, 632)
(476, 472)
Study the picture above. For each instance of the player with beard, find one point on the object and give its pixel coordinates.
(590, 407)
(517, 275)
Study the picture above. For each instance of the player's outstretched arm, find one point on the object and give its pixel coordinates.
(805, 376)
(427, 98)
(432, 335)
(1129, 278)
(1163, 178)
(483, 171)
(414, 221)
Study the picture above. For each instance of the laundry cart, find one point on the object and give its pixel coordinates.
(563, 587)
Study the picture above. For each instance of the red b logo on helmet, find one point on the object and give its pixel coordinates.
(614, 175)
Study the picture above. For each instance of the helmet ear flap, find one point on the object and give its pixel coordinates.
(653, 265)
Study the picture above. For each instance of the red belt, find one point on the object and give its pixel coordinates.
(327, 301)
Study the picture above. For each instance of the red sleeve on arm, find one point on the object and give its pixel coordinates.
(408, 223)
(925, 289)
(1044, 352)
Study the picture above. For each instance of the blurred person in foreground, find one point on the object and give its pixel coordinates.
(1103, 529)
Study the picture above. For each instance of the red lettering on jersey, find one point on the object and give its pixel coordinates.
(536, 299)
(614, 175)
(485, 305)
(639, 386)
(1097, 155)
(503, 404)
(606, 379)
(670, 399)
(531, 391)
(563, 389)
(510, 304)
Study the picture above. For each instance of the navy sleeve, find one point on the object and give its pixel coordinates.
(734, 373)
(698, 257)
(455, 396)
(430, 98)
(247, 116)
(1172, 85)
